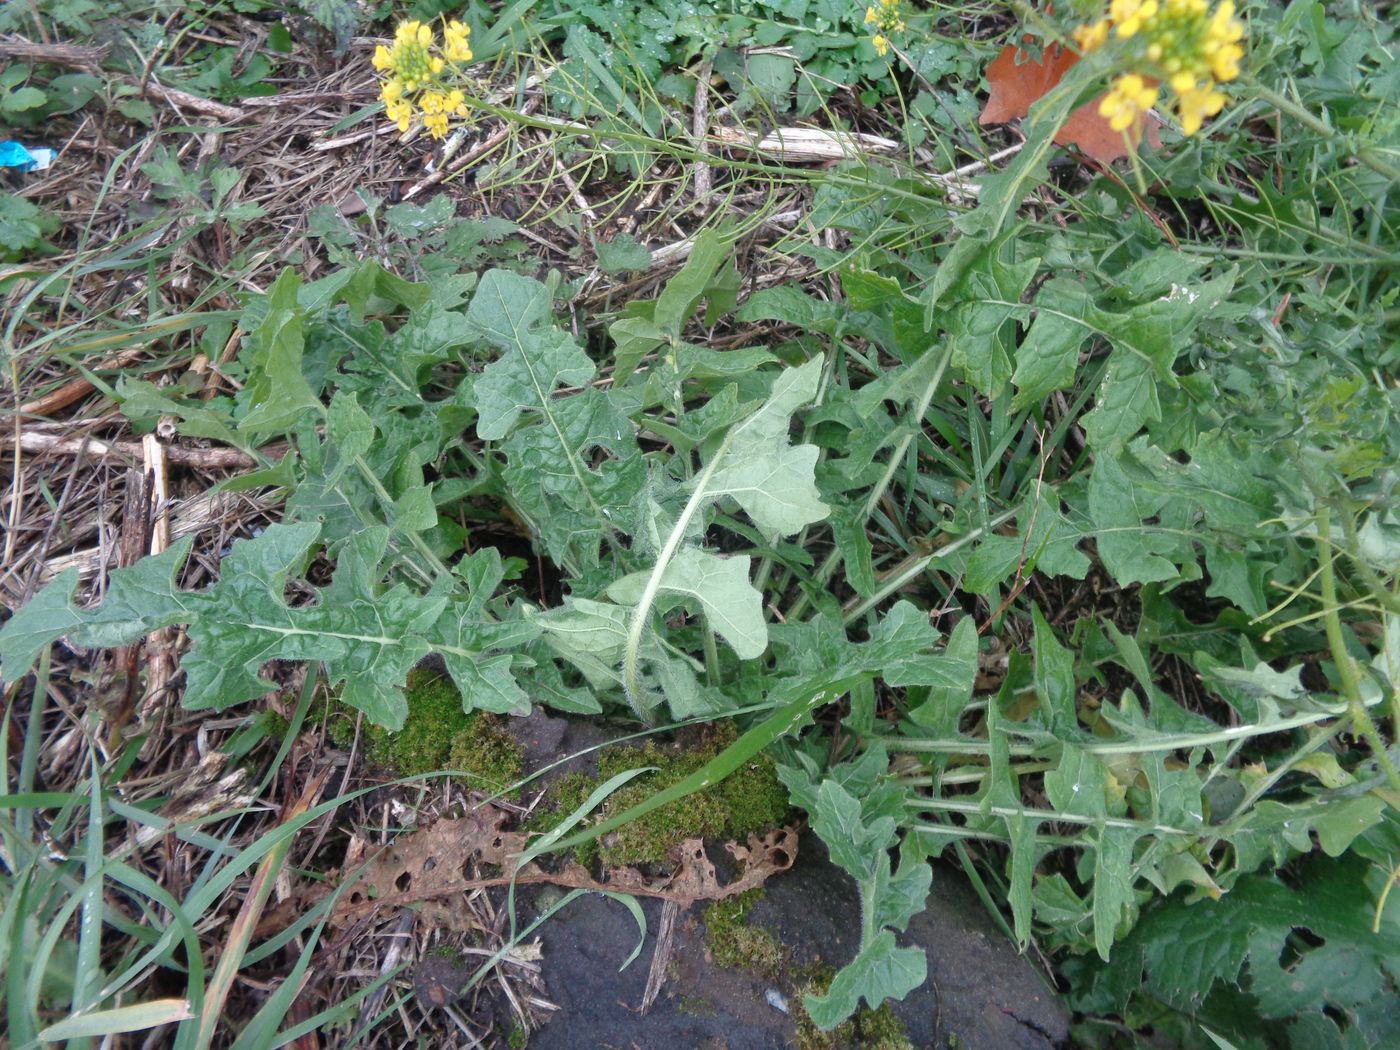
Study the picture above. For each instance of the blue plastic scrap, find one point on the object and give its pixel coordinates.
(32, 158)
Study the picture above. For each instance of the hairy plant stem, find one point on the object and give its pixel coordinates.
(1346, 666)
(631, 657)
(1136, 745)
(435, 564)
(712, 676)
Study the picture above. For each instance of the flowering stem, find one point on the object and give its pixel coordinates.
(1313, 122)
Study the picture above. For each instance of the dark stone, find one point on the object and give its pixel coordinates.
(980, 993)
(544, 739)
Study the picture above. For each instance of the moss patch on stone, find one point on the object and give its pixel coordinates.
(488, 753)
(881, 1029)
(437, 734)
(736, 945)
(869, 1029)
(751, 799)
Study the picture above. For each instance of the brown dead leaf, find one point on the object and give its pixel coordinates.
(696, 878)
(1017, 82)
(436, 865)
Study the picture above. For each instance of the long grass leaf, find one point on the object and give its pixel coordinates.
(137, 1017)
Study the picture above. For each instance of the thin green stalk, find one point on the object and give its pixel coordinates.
(983, 893)
(1131, 746)
(975, 776)
(419, 544)
(1313, 122)
(33, 739)
(913, 566)
(972, 808)
(712, 676)
(877, 493)
(1346, 666)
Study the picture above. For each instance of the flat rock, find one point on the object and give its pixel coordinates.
(981, 994)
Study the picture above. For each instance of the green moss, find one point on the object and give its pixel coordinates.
(816, 980)
(273, 726)
(750, 799)
(881, 1029)
(486, 750)
(692, 1006)
(437, 734)
(435, 717)
(519, 1038)
(869, 1029)
(736, 945)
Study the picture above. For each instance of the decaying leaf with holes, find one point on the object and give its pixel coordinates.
(435, 865)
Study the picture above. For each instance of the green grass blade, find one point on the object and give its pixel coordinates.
(135, 1018)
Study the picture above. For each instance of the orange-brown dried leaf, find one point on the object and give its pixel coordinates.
(1018, 82)
(435, 866)
(695, 877)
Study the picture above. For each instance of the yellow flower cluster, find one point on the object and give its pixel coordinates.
(887, 18)
(1194, 48)
(415, 83)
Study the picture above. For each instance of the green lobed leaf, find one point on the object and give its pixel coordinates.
(1248, 940)
(854, 843)
(139, 600)
(910, 332)
(900, 897)
(1048, 357)
(621, 255)
(512, 313)
(771, 479)
(790, 304)
(576, 475)
(277, 394)
(349, 429)
(1121, 508)
(848, 529)
(1113, 885)
(881, 971)
(721, 586)
(691, 283)
(1052, 547)
(1054, 679)
(1077, 784)
(633, 338)
(949, 678)
(982, 326)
